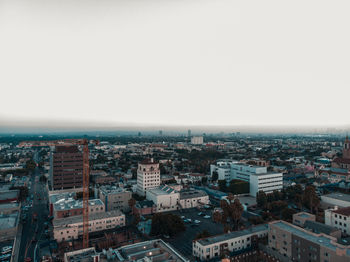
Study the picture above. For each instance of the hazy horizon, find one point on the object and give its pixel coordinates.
(162, 63)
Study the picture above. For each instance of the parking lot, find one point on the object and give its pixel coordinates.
(183, 241)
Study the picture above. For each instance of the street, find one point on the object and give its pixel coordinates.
(33, 229)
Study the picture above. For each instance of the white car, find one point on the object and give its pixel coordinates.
(6, 249)
(197, 221)
(206, 216)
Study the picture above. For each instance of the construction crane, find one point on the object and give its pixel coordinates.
(86, 172)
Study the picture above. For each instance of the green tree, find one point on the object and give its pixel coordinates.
(30, 165)
(202, 234)
(215, 176)
(287, 214)
(261, 199)
(222, 185)
(166, 224)
(204, 180)
(311, 199)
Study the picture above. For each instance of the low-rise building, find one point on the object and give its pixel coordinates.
(267, 182)
(299, 244)
(145, 207)
(300, 218)
(338, 218)
(336, 199)
(84, 255)
(215, 246)
(70, 228)
(115, 198)
(65, 205)
(9, 225)
(166, 198)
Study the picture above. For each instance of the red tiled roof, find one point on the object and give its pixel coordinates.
(343, 211)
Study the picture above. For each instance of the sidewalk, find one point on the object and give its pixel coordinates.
(17, 243)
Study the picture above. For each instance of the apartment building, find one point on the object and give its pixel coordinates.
(148, 176)
(70, 228)
(66, 168)
(237, 241)
(115, 198)
(338, 218)
(301, 245)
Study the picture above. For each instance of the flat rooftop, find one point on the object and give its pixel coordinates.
(111, 190)
(339, 196)
(155, 250)
(79, 219)
(162, 190)
(8, 221)
(86, 255)
(318, 239)
(71, 203)
(232, 235)
(186, 194)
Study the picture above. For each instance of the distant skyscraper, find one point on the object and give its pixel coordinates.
(66, 169)
(160, 132)
(139, 134)
(189, 133)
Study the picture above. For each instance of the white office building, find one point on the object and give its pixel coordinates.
(148, 176)
(267, 182)
(257, 176)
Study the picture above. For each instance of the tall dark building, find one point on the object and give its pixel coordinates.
(66, 170)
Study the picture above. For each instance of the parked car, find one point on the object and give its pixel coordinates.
(206, 216)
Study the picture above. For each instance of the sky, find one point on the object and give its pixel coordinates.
(175, 62)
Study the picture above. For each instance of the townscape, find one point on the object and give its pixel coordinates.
(175, 197)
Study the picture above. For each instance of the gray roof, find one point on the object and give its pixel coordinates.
(339, 196)
(318, 228)
(79, 219)
(321, 240)
(185, 194)
(232, 235)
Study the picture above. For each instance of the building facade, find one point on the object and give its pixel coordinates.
(70, 228)
(237, 241)
(66, 168)
(115, 198)
(338, 218)
(197, 140)
(148, 176)
(299, 244)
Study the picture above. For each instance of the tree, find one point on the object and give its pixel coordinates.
(202, 234)
(166, 224)
(287, 214)
(261, 199)
(215, 176)
(232, 210)
(217, 217)
(30, 165)
(310, 198)
(237, 210)
(43, 179)
(238, 187)
(204, 180)
(132, 203)
(222, 185)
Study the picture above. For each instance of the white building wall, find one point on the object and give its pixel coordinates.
(148, 176)
(72, 231)
(339, 221)
(211, 251)
(265, 182)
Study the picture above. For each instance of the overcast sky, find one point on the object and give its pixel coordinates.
(187, 62)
